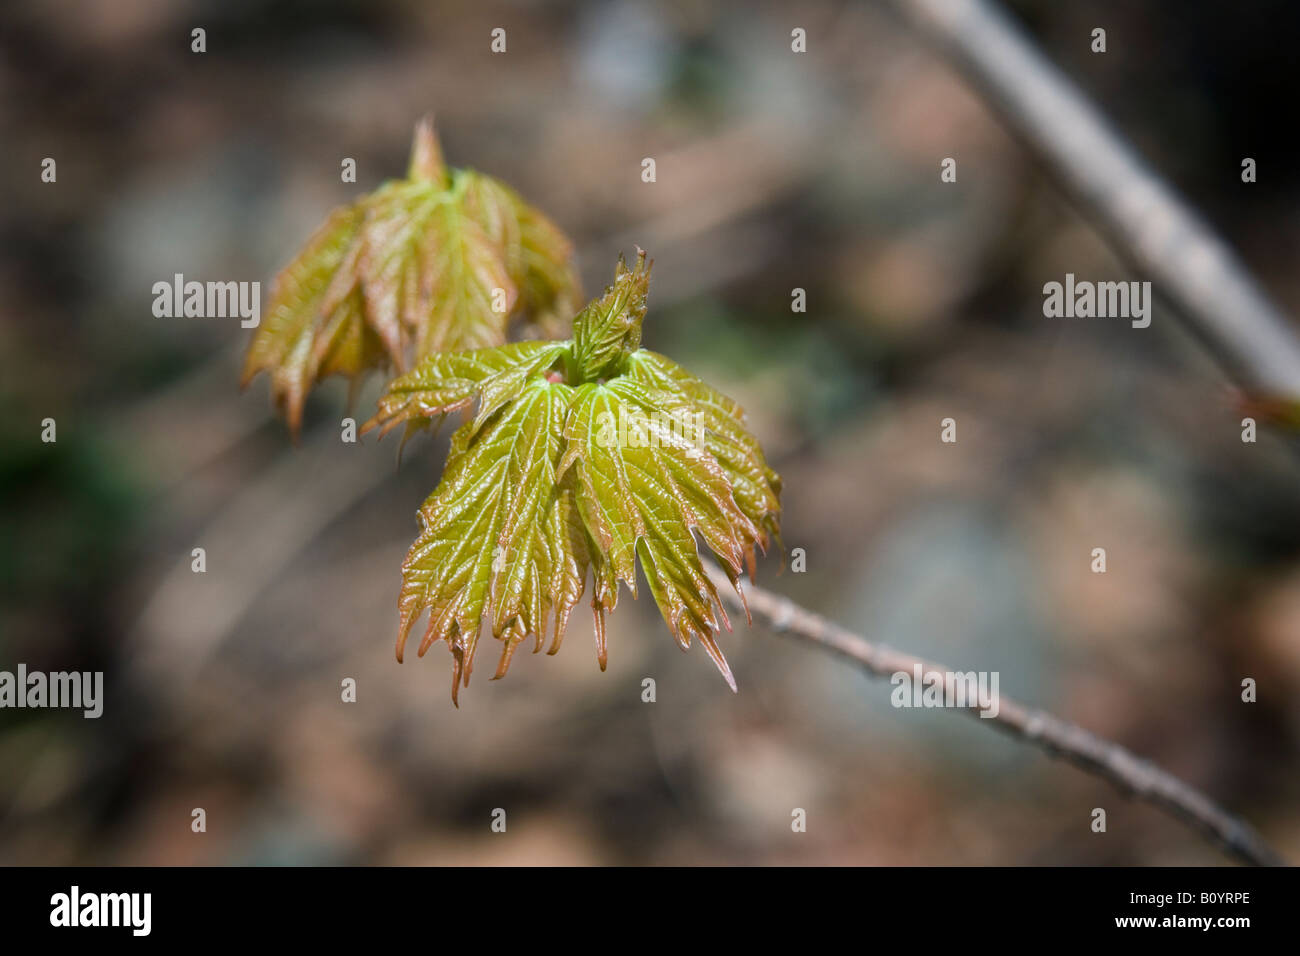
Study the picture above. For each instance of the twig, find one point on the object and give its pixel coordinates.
(1058, 737)
(1144, 219)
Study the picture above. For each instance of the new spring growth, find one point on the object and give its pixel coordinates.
(540, 495)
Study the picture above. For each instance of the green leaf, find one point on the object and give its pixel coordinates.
(755, 486)
(440, 261)
(304, 326)
(561, 469)
(449, 381)
(646, 486)
(539, 258)
(498, 544)
(548, 280)
(427, 164)
(608, 330)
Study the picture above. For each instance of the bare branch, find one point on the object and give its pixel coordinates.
(1058, 737)
(1144, 219)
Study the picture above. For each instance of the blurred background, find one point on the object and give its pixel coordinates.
(775, 170)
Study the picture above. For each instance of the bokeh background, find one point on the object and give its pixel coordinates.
(775, 171)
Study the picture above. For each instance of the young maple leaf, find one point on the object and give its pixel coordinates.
(413, 268)
(581, 455)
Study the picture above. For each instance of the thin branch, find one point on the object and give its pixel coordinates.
(1058, 737)
(1146, 222)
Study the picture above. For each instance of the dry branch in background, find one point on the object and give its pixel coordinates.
(1144, 220)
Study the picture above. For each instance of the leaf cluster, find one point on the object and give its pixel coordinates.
(580, 459)
(439, 261)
